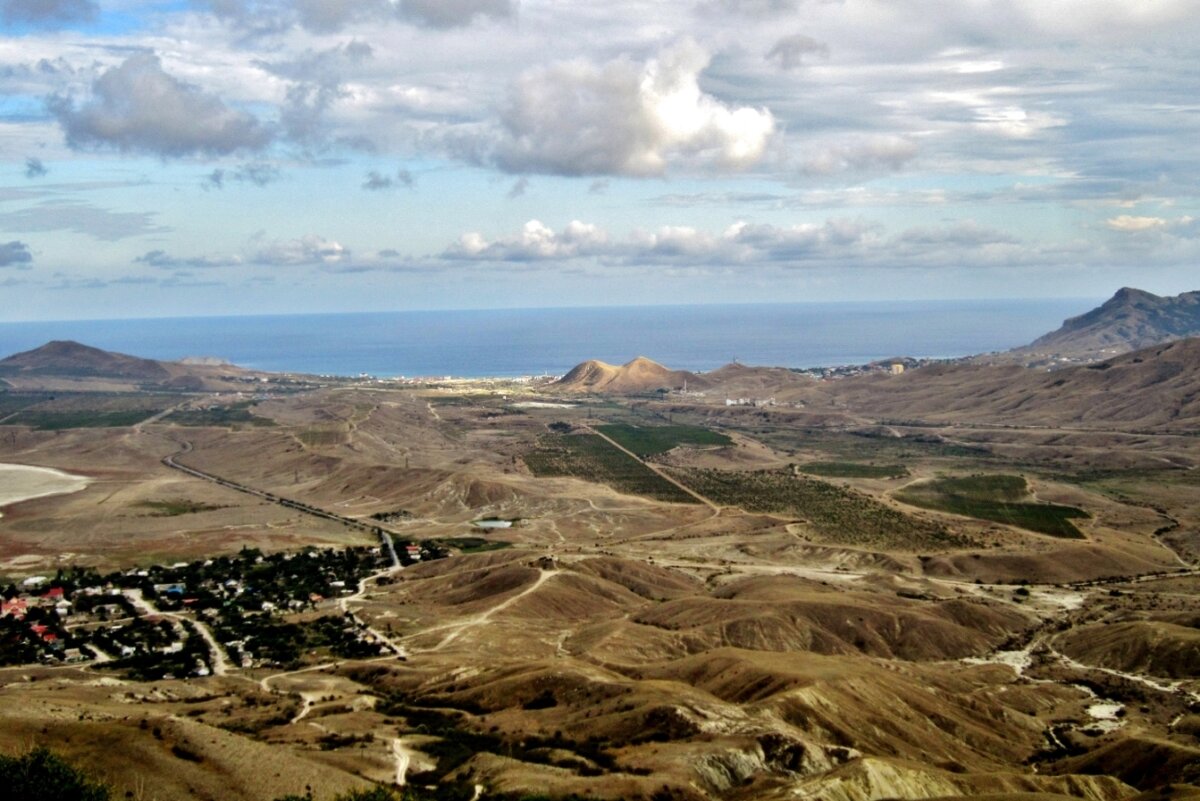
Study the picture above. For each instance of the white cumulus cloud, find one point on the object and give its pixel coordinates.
(626, 118)
(138, 107)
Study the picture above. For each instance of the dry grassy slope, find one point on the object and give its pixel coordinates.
(777, 613)
(737, 380)
(610, 609)
(1053, 564)
(1141, 646)
(870, 779)
(339, 476)
(646, 580)
(769, 718)
(1139, 759)
(1154, 388)
(103, 735)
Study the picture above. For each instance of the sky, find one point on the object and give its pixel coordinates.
(208, 157)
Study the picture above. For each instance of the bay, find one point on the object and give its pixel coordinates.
(514, 342)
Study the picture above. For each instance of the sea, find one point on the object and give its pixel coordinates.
(549, 341)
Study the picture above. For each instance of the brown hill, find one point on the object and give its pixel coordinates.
(1154, 388)
(1130, 320)
(67, 365)
(735, 380)
(67, 358)
(639, 375)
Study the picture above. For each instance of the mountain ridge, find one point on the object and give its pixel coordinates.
(1130, 320)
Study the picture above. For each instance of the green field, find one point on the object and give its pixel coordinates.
(999, 498)
(15, 401)
(238, 413)
(852, 446)
(175, 507)
(56, 412)
(835, 513)
(854, 470)
(474, 544)
(589, 457)
(651, 440)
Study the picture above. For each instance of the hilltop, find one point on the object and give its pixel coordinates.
(65, 364)
(1130, 320)
(68, 358)
(638, 375)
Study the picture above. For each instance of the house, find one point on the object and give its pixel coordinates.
(17, 607)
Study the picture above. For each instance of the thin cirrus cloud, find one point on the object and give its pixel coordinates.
(48, 13)
(624, 117)
(1134, 224)
(79, 217)
(331, 16)
(137, 107)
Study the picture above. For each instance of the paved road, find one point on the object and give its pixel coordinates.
(220, 665)
(173, 462)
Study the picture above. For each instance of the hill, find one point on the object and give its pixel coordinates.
(738, 379)
(1130, 320)
(1156, 387)
(639, 375)
(71, 366)
(72, 359)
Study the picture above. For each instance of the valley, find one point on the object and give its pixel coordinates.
(691, 599)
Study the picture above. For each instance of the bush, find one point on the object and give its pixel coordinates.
(41, 775)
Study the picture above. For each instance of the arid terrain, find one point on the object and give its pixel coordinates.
(963, 581)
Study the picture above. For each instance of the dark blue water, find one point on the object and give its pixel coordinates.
(512, 342)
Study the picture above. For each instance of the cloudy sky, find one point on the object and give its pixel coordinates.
(181, 157)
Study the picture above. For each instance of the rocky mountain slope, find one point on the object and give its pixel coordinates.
(1131, 319)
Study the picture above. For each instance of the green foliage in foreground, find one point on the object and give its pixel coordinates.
(589, 457)
(999, 498)
(854, 470)
(651, 440)
(41, 775)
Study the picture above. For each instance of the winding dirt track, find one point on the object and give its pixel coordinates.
(661, 474)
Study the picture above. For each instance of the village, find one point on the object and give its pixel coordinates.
(197, 618)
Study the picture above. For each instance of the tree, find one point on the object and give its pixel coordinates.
(41, 775)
